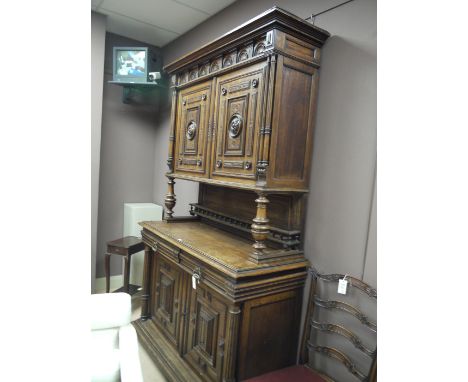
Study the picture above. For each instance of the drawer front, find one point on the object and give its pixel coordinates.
(191, 153)
(238, 115)
(206, 333)
(167, 298)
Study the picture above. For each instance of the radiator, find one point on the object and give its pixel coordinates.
(133, 214)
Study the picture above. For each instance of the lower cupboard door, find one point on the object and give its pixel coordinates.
(206, 333)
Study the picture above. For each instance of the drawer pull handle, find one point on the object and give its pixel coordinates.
(219, 163)
(224, 91)
(203, 97)
(255, 83)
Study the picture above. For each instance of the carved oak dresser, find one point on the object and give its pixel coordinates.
(222, 288)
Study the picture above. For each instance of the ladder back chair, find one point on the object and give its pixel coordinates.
(335, 327)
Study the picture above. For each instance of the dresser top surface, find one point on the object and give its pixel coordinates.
(220, 249)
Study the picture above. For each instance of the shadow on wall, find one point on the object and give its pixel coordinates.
(344, 158)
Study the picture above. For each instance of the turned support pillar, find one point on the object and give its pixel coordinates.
(170, 199)
(145, 313)
(260, 227)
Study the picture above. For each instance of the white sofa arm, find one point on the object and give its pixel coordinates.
(110, 310)
(130, 367)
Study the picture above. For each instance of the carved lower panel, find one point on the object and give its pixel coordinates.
(205, 335)
(166, 295)
(205, 347)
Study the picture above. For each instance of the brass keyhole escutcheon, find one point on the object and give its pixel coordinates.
(235, 125)
(191, 130)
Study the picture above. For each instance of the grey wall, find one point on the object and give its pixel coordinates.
(98, 37)
(340, 233)
(127, 157)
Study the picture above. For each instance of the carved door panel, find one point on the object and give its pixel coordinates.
(167, 295)
(206, 333)
(239, 97)
(191, 152)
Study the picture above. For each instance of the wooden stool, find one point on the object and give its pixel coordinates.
(126, 246)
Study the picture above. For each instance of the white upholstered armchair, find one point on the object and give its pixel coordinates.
(114, 353)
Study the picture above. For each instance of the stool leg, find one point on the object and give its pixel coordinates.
(107, 270)
(126, 273)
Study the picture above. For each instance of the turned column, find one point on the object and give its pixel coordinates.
(145, 313)
(232, 337)
(170, 199)
(260, 228)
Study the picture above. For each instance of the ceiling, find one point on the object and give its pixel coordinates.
(156, 22)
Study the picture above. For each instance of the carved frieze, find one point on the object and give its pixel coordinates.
(242, 53)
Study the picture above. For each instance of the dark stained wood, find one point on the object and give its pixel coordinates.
(131, 243)
(126, 247)
(167, 292)
(274, 18)
(309, 346)
(145, 297)
(269, 333)
(285, 211)
(222, 288)
(233, 295)
(215, 247)
(192, 130)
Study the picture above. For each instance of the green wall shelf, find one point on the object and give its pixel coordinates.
(130, 88)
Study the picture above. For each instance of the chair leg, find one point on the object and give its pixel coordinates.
(107, 270)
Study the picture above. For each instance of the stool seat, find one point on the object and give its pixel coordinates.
(126, 242)
(126, 247)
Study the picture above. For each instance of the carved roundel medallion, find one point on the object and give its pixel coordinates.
(191, 130)
(235, 125)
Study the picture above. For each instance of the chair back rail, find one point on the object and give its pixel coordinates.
(309, 348)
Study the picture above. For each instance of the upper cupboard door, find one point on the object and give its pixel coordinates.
(238, 111)
(191, 150)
